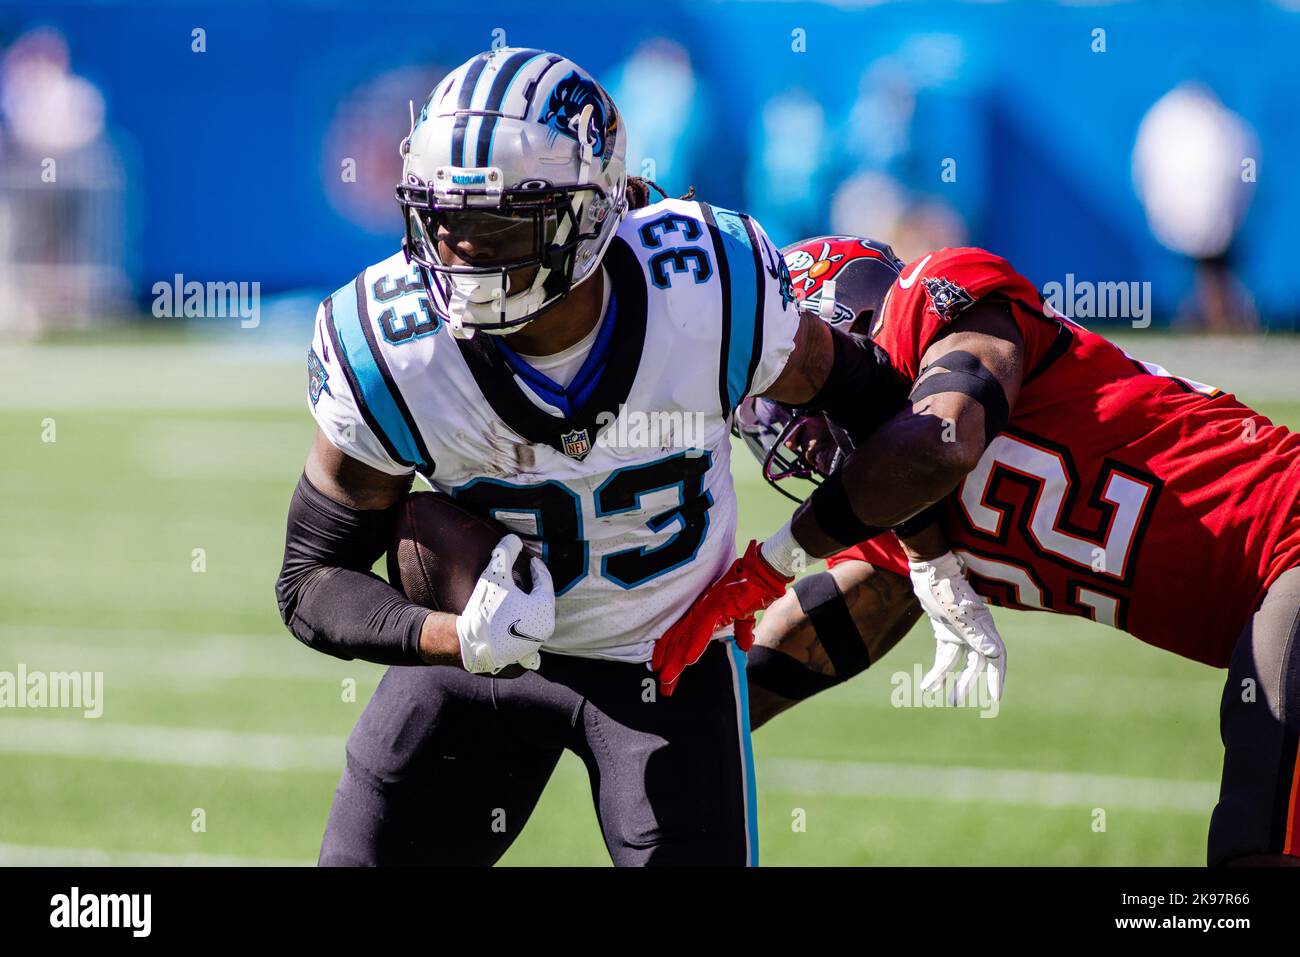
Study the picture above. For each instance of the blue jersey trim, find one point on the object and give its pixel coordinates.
(743, 267)
(373, 389)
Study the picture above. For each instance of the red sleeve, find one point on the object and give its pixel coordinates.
(883, 552)
(934, 290)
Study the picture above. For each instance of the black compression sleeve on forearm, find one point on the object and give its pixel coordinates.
(329, 598)
(920, 521)
(833, 514)
(862, 391)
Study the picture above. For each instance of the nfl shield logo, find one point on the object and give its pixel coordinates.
(576, 445)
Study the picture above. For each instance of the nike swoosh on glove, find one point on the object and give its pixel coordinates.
(502, 624)
(961, 622)
(749, 585)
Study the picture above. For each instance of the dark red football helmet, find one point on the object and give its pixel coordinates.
(844, 280)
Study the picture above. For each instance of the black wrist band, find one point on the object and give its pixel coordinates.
(919, 522)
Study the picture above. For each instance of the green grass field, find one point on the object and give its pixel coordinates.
(164, 448)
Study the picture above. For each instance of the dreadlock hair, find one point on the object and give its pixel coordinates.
(638, 192)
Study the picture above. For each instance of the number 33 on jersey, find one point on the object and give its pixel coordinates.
(622, 481)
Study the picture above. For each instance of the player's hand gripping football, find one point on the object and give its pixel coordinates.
(749, 585)
(961, 622)
(502, 624)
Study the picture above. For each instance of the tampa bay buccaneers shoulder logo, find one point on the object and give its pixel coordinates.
(947, 298)
(565, 104)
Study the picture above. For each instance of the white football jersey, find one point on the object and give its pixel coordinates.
(626, 491)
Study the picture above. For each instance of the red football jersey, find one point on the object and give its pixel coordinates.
(1117, 491)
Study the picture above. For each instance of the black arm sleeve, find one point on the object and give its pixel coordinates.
(863, 390)
(329, 597)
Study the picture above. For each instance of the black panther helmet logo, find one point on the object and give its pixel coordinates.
(566, 103)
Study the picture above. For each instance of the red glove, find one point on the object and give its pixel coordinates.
(751, 584)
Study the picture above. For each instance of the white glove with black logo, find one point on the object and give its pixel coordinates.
(502, 624)
(961, 622)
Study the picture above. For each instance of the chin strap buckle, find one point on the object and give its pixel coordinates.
(826, 304)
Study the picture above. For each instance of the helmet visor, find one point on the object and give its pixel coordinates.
(469, 240)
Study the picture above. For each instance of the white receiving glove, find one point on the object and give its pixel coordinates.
(961, 620)
(503, 624)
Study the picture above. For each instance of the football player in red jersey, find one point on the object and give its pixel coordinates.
(1061, 474)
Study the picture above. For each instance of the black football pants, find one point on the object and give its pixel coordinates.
(445, 767)
(1259, 720)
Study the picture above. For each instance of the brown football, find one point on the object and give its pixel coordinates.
(439, 549)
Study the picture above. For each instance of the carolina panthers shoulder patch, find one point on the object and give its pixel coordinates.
(318, 377)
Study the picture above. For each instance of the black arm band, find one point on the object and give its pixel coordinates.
(834, 515)
(967, 375)
(776, 672)
(822, 601)
(862, 391)
(328, 596)
(919, 522)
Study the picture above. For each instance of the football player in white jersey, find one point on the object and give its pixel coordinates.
(569, 366)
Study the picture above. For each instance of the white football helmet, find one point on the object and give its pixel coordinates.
(515, 163)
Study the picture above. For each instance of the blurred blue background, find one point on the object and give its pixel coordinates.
(1011, 126)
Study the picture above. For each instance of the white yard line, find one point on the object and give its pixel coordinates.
(986, 785)
(33, 855)
(138, 659)
(149, 653)
(152, 744)
(204, 747)
(127, 634)
(194, 661)
(210, 377)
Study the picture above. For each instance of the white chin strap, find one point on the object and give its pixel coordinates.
(482, 302)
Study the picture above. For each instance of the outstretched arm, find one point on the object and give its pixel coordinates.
(969, 383)
(970, 377)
